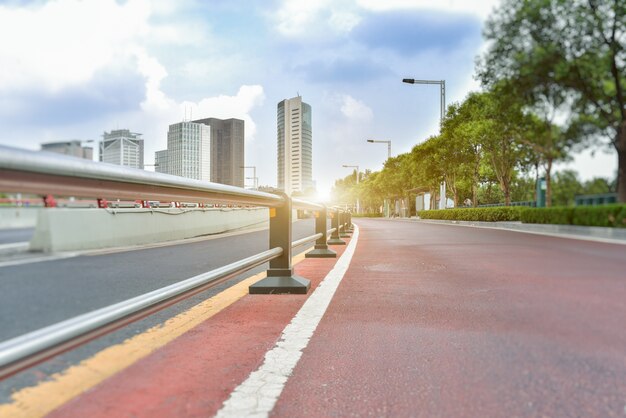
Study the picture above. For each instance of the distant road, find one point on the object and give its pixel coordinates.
(9, 236)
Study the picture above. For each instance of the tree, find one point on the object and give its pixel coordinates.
(566, 187)
(574, 48)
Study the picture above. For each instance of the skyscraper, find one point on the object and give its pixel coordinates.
(189, 150)
(295, 148)
(227, 150)
(122, 147)
(73, 147)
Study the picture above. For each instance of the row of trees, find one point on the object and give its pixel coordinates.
(554, 79)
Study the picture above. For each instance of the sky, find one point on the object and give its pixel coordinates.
(72, 69)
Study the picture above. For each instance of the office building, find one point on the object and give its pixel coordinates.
(189, 150)
(160, 162)
(72, 147)
(122, 147)
(227, 150)
(295, 148)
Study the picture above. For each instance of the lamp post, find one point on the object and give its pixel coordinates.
(254, 177)
(383, 142)
(442, 112)
(358, 204)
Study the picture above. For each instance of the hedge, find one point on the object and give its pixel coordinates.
(495, 214)
(367, 215)
(605, 215)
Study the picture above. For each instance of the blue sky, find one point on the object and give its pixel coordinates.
(73, 69)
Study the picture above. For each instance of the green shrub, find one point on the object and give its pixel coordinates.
(367, 215)
(554, 215)
(606, 215)
(495, 214)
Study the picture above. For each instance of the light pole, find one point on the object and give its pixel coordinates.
(383, 142)
(255, 184)
(358, 204)
(442, 112)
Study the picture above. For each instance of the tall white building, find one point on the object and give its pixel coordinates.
(295, 145)
(189, 150)
(122, 147)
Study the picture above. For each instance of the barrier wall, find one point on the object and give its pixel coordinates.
(60, 229)
(18, 217)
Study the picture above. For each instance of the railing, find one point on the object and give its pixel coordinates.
(595, 199)
(24, 171)
(529, 203)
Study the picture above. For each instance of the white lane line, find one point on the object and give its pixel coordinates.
(257, 395)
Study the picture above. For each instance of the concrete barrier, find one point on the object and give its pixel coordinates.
(18, 217)
(60, 229)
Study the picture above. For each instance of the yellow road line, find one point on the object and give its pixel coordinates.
(43, 398)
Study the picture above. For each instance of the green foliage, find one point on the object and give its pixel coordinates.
(567, 185)
(607, 216)
(553, 215)
(497, 214)
(367, 215)
(567, 56)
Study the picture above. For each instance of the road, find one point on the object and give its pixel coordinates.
(437, 320)
(9, 236)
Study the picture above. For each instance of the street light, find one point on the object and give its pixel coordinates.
(442, 110)
(383, 142)
(442, 84)
(256, 179)
(358, 203)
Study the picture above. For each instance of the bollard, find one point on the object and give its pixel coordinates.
(350, 225)
(321, 247)
(280, 277)
(334, 238)
(343, 221)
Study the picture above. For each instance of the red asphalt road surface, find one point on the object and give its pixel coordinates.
(451, 321)
(430, 320)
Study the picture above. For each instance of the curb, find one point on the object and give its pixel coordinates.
(14, 248)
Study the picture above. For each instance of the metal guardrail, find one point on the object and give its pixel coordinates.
(23, 171)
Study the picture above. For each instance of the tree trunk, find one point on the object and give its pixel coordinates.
(475, 184)
(620, 146)
(548, 183)
(536, 181)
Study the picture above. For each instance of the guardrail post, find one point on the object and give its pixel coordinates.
(334, 238)
(280, 277)
(343, 221)
(321, 247)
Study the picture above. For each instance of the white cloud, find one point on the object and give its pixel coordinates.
(64, 42)
(297, 18)
(225, 107)
(481, 8)
(355, 109)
